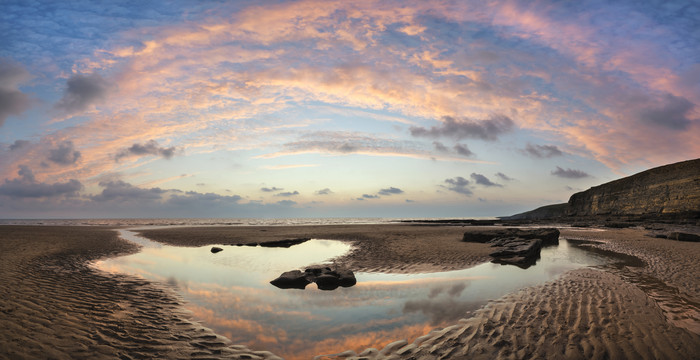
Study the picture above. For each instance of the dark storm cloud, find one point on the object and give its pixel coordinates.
(542, 151)
(271, 189)
(325, 191)
(12, 101)
(569, 173)
(288, 193)
(458, 185)
(64, 154)
(483, 180)
(18, 144)
(673, 114)
(488, 129)
(390, 191)
(463, 150)
(81, 92)
(504, 177)
(151, 147)
(26, 186)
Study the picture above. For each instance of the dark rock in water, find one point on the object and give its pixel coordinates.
(284, 243)
(680, 236)
(324, 277)
(327, 282)
(294, 279)
(346, 278)
(216, 249)
(549, 236)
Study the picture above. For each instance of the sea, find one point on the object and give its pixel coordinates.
(216, 221)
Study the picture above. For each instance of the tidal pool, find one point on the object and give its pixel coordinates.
(230, 292)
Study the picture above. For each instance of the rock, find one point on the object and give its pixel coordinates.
(680, 236)
(661, 191)
(327, 282)
(294, 279)
(346, 278)
(284, 243)
(215, 249)
(549, 236)
(516, 251)
(324, 277)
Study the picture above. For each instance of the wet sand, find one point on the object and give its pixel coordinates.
(54, 305)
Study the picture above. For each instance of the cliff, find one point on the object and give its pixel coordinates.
(666, 190)
(669, 191)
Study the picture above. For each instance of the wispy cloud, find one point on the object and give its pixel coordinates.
(487, 129)
(390, 191)
(542, 151)
(12, 100)
(459, 185)
(151, 147)
(483, 180)
(570, 173)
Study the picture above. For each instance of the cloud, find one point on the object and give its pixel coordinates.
(390, 191)
(440, 147)
(463, 150)
(287, 203)
(12, 101)
(569, 173)
(18, 144)
(270, 189)
(193, 199)
(288, 193)
(120, 191)
(483, 180)
(26, 186)
(368, 196)
(64, 154)
(488, 129)
(504, 177)
(325, 191)
(151, 147)
(458, 185)
(81, 92)
(542, 151)
(672, 114)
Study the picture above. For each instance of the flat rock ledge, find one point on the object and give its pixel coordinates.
(519, 247)
(324, 277)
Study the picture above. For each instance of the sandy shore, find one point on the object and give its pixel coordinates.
(53, 305)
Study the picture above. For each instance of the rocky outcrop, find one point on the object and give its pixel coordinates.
(516, 251)
(520, 247)
(667, 190)
(324, 277)
(549, 236)
(541, 213)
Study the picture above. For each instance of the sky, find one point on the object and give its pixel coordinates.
(230, 109)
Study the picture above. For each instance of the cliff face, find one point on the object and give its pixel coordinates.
(667, 190)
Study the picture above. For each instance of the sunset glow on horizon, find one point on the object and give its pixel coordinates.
(337, 108)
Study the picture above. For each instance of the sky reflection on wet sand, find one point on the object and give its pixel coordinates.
(230, 293)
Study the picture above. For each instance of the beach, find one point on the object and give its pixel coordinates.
(55, 305)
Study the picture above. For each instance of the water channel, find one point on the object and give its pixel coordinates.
(230, 292)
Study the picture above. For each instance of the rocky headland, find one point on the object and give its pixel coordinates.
(669, 193)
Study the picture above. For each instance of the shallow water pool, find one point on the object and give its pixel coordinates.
(230, 292)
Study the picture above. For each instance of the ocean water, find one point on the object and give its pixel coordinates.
(212, 221)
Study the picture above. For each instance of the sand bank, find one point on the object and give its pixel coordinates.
(55, 305)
